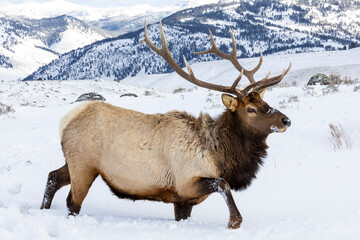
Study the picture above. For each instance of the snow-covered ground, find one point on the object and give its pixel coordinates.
(305, 190)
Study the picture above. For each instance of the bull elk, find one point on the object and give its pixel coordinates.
(172, 157)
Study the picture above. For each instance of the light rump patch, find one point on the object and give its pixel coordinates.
(72, 114)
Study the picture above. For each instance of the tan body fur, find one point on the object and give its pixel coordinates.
(155, 157)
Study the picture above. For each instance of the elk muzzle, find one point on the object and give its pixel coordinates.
(285, 122)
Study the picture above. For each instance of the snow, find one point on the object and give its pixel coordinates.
(37, 10)
(27, 53)
(304, 190)
(74, 38)
(212, 22)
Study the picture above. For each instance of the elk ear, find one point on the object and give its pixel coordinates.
(230, 102)
(262, 93)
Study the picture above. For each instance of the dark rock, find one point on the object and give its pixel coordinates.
(90, 97)
(319, 79)
(129, 95)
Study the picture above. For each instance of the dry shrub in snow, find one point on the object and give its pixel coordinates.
(349, 81)
(148, 93)
(290, 99)
(339, 138)
(5, 109)
(338, 79)
(335, 78)
(330, 89)
(309, 91)
(179, 90)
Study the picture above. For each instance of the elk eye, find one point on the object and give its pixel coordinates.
(251, 110)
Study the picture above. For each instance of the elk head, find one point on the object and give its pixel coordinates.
(246, 104)
(255, 114)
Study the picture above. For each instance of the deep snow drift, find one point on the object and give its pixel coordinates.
(305, 190)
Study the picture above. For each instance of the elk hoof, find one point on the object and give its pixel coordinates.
(235, 222)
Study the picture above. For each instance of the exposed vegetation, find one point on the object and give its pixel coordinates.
(4, 109)
(339, 138)
(148, 93)
(179, 90)
(290, 99)
(330, 89)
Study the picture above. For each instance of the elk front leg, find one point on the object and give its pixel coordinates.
(210, 185)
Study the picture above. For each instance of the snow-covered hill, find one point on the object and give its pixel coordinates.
(84, 12)
(32, 34)
(26, 44)
(305, 189)
(272, 26)
(114, 20)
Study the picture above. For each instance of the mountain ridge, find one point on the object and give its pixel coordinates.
(27, 44)
(270, 26)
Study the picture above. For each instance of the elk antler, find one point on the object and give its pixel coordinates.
(232, 57)
(255, 86)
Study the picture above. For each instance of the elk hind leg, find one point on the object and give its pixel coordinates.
(56, 180)
(182, 210)
(80, 184)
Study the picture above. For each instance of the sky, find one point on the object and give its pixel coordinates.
(112, 3)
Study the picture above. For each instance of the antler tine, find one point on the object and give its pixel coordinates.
(231, 90)
(234, 51)
(191, 73)
(148, 41)
(272, 81)
(215, 50)
(266, 82)
(163, 40)
(166, 55)
(232, 57)
(259, 64)
(213, 45)
(164, 51)
(233, 87)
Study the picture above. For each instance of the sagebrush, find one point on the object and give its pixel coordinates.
(5, 109)
(339, 138)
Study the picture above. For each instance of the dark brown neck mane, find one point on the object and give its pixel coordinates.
(238, 150)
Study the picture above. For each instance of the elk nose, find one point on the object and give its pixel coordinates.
(286, 122)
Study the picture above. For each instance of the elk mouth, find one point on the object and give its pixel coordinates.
(278, 130)
(274, 128)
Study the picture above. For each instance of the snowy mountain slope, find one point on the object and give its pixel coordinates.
(114, 20)
(5, 62)
(122, 24)
(304, 190)
(38, 10)
(44, 30)
(28, 43)
(272, 26)
(54, 8)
